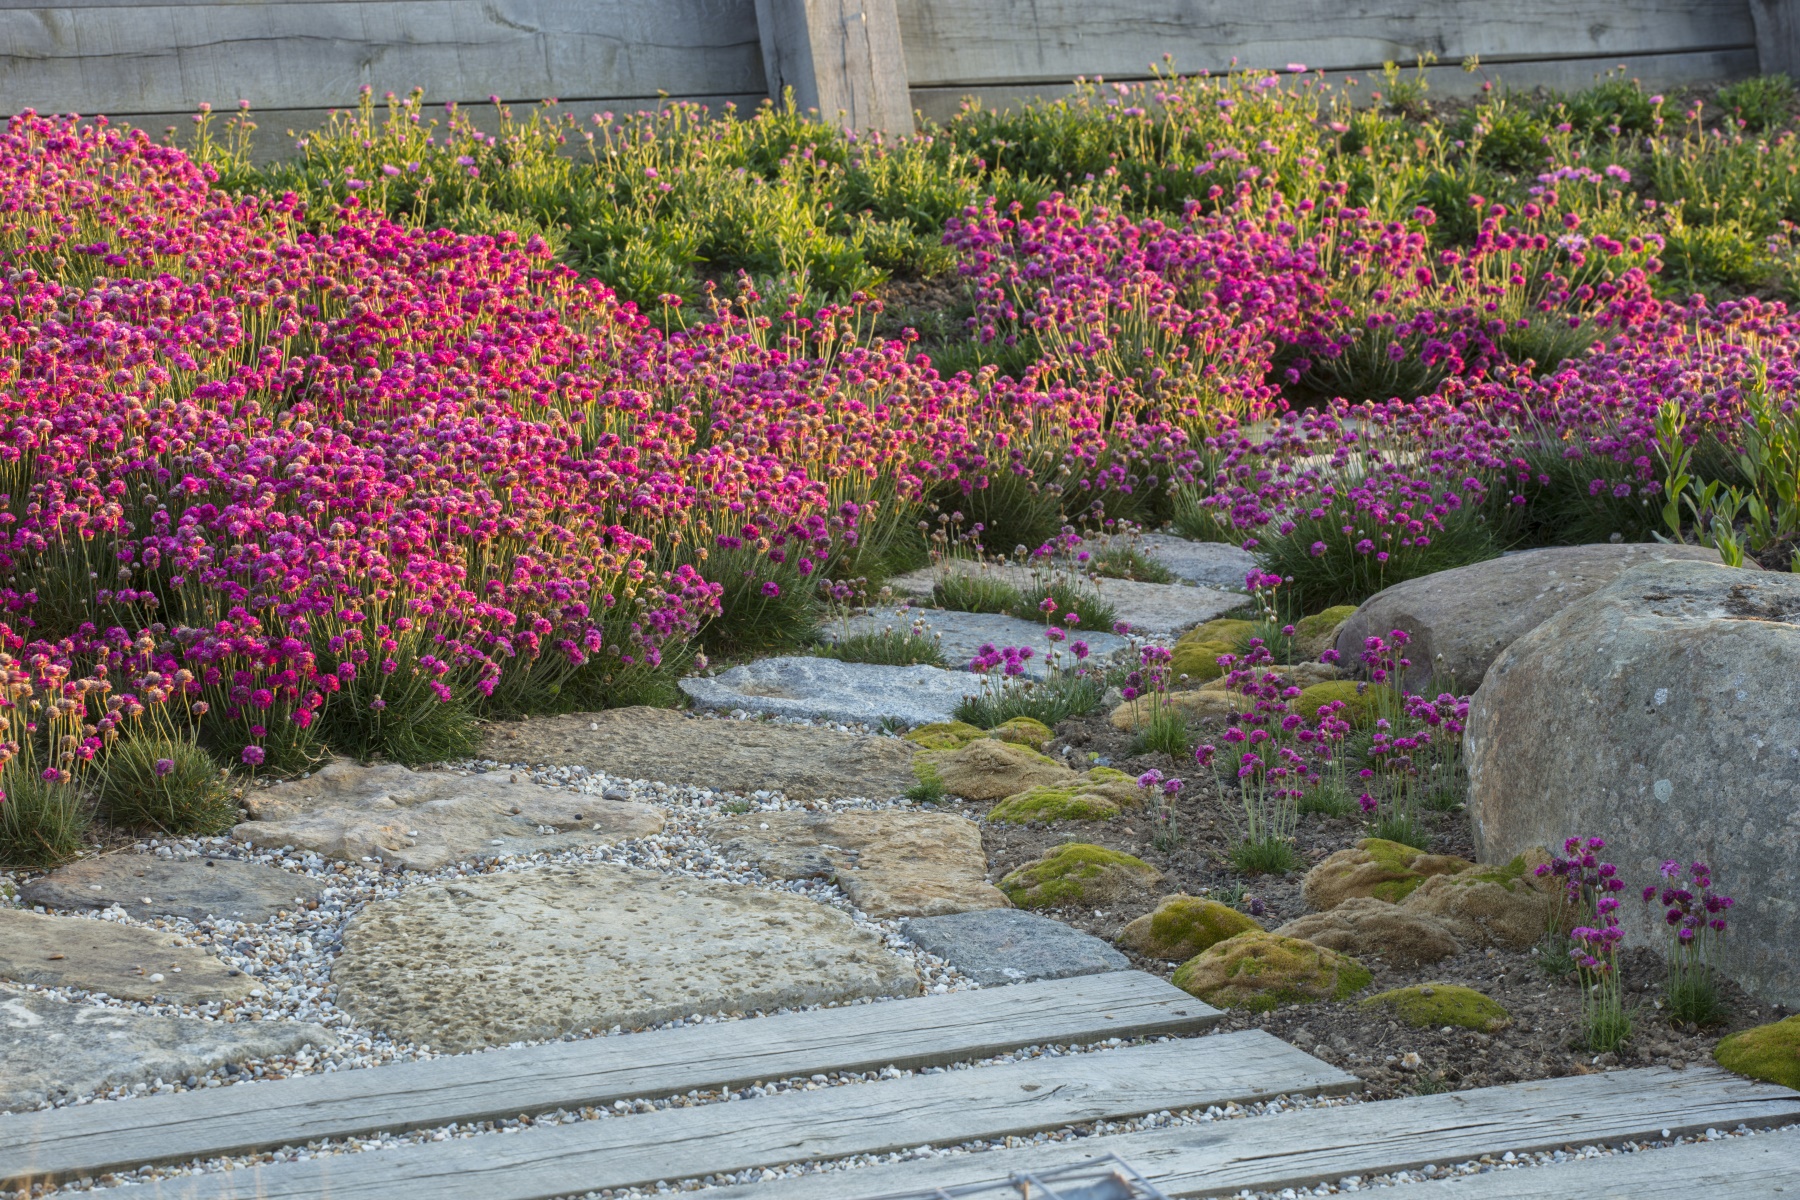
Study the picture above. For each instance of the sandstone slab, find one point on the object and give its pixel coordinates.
(1366, 927)
(51, 1049)
(890, 864)
(1155, 610)
(1661, 713)
(960, 635)
(798, 686)
(1461, 620)
(423, 820)
(1008, 946)
(124, 961)
(196, 888)
(805, 762)
(536, 954)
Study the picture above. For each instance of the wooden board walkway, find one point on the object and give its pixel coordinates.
(1319, 1145)
(867, 1118)
(932, 1030)
(1766, 1167)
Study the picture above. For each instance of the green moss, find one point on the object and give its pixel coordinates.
(944, 735)
(1322, 623)
(1199, 661)
(1508, 876)
(1228, 631)
(1099, 795)
(1359, 701)
(1768, 1052)
(1434, 1005)
(1021, 730)
(1183, 926)
(1077, 873)
(1261, 971)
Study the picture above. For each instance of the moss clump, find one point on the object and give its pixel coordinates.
(1023, 731)
(1199, 661)
(1322, 623)
(1769, 1052)
(1359, 701)
(1183, 926)
(1077, 873)
(1230, 632)
(944, 735)
(1261, 971)
(1099, 795)
(1434, 1005)
(1508, 876)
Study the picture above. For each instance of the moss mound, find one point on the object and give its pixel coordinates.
(1260, 971)
(1232, 633)
(1099, 795)
(1078, 873)
(1770, 1053)
(1434, 1005)
(1023, 731)
(1359, 701)
(1321, 624)
(1375, 867)
(1182, 926)
(1199, 661)
(944, 735)
(987, 769)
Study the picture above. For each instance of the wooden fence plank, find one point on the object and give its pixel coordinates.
(868, 1118)
(1752, 1168)
(995, 42)
(841, 57)
(1318, 1145)
(150, 58)
(928, 1031)
(1777, 35)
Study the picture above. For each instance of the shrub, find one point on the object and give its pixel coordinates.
(763, 605)
(166, 785)
(41, 823)
(1761, 102)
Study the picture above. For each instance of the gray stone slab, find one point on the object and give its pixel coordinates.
(805, 762)
(961, 635)
(125, 961)
(1210, 564)
(1153, 610)
(51, 1049)
(1004, 945)
(196, 888)
(824, 687)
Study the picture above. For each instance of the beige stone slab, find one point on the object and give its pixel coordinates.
(126, 961)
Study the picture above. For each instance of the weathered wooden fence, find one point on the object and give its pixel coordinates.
(875, 61)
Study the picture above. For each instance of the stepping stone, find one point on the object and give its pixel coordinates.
(124, 961)
(423, 820)
(1154, 610)
(1210, 564)
(541, 953)
(1008, 946)
(837, 691)
(147, 886)
(805, 762)
(890, 864)
(963, 635)
(51, 1049)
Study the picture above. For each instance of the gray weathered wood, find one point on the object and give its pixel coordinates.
(1777, 36)
(1752, 1168)
(993, 42)
(840, 57)
(150, 58)
(927, 1031)
(868, 1118)
(1306, 1148)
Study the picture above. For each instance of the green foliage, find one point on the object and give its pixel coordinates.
(1050, 700)
(962, 591)
(1768, 1052)
(929, 788)
(765, 605)
(1399, 826)
(41, 823)
(1761, 102)
(1433, 1005)
(164, 784)
(1128, 562)
(1008, 508)
(887, 647)
(1265, 856)
(1164, 733)
(1342, 574)
(1693, 997)
(1070, 596)
(1328, 799)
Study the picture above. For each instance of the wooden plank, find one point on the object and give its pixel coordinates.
(928, 1031)
(1751, 1168)
(841, 57)
(1656, 72)
(959, 42)
(154, 58)
(869, 1118)
(1777, 25)
(1318, 1145)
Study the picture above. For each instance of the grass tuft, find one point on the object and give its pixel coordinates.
(888, 648)
(41, 823)
(164, 784)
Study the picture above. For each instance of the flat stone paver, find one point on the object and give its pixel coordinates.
(52, 1049)
(890, 864)
(1009, 946)
(423, 820)
(124, 961)
(824, 687)
(196, 888)
(536, 954)
(805, 762)
(963, 635)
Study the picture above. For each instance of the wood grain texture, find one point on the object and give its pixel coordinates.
(868, 1118)
(1777, 24)
(1765, 1167)
(171, 57)
(841, 57)
(1318, 1145)
(959, 42)
(928, 1031)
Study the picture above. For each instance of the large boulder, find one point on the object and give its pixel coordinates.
(1460, 620)
(1661, 713)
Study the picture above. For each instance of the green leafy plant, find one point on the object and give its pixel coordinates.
(41, 823)
(164, 784)
(887, 647)
(976, 592)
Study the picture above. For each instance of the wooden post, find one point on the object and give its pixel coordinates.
(1777, 36)
(841, 57)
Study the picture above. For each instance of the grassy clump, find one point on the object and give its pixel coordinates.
(1070, 596)
(970, 592)
(888, 647)
(1128, 562)
(1761, 102)
(41, 823)
(1046, 701)
(1327, 799)
(163, 784)
(1166, 732)
(765, 605)
(1265, 856)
